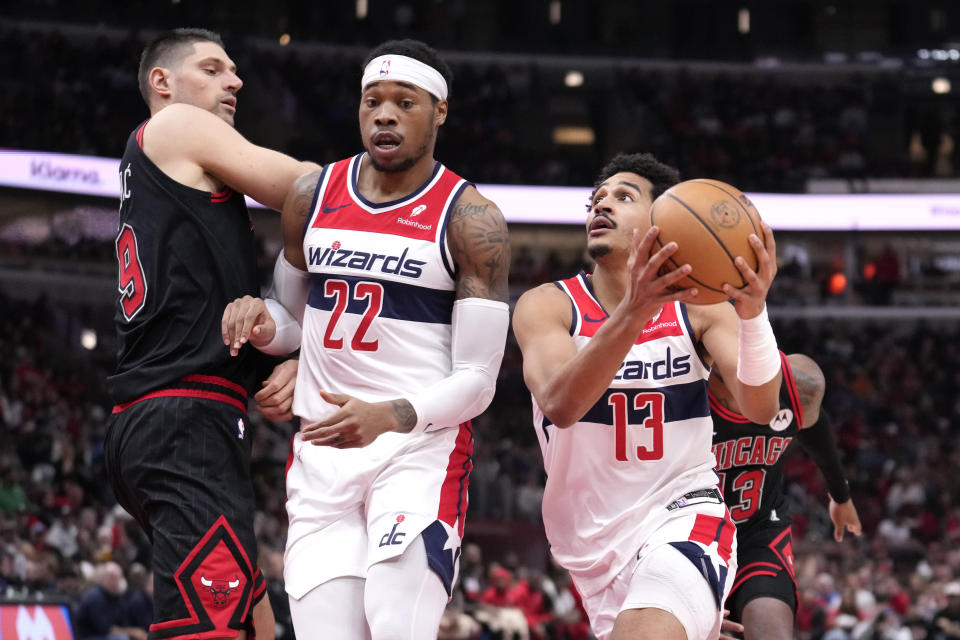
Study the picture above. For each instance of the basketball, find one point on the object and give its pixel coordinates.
(711, 222)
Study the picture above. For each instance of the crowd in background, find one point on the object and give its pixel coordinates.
(759, 130)
(894, 391)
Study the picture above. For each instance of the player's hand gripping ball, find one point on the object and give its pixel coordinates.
(711, 223)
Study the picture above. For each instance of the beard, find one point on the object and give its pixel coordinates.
(598, 251)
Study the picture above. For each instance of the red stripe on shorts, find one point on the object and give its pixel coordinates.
(183, 393)
(453, 493)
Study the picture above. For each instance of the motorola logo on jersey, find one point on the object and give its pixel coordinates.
(668, 367)
(336, 256)
(782, 420)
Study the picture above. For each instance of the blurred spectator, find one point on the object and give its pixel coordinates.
(101, 614)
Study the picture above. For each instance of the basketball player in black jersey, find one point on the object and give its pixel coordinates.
(750, 465)
(177, 447)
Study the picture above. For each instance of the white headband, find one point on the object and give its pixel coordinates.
(405, 69)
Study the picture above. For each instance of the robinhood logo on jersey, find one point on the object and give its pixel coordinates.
(336, 256)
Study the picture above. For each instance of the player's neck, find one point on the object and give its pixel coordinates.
(384, 186)
(609, 282)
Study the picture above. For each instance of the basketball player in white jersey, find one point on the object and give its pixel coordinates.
(618, 364)
(397, 268)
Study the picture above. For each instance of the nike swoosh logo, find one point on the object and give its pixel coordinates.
(327, 209)
(589, 319)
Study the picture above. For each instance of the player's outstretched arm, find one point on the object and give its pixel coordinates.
(818, 439)
(186, 141)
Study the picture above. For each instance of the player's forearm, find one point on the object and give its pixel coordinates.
(479, 333)
(581, 381)
(820, 444)
(758, 403)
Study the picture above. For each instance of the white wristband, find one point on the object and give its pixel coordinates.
(758, 359)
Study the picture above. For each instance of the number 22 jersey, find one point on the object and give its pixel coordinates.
(382, 288)
(640, 447)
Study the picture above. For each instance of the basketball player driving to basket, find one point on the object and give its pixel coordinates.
(397, 268)
(617, 364)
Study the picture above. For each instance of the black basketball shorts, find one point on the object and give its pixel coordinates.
(764, 567)
(179, 463)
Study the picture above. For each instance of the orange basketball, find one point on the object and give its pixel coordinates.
(711, 222)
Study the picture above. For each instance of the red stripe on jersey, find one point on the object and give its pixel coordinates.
(223, 382)
(453, 492)
(286, 468)
(592, 315)
(723, 412)
(791, 388)
(417, 217)
(221, 196)
(140, 134)
(182, 393)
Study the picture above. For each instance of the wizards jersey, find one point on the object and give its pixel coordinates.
(750, 456)
(377, 321)
(642, 446)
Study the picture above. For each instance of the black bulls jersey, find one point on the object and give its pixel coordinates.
(182, 256)
(750, 456)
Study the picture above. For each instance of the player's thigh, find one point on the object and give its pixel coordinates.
(404, 597)
(634, 624)
(669, 591)
(187, 462)
(331, 611)
(767, 618)
(765, 570)
(422, 493)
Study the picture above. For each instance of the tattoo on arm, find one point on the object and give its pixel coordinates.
(809, 387)
(304, 188)
(296, 210)
(480, 245)
(406, 416)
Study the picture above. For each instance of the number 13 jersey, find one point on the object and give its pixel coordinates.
(644, 444)
(377, 321)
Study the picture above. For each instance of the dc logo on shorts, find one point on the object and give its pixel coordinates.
(394, 537)
(240, 428)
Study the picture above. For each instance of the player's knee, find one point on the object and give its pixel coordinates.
(767, 619)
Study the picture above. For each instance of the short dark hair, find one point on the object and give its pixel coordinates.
(418, 51)
(661, 176)
(167, 48)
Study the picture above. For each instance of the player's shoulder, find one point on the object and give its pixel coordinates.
(180, 117)
(807, 376)
(472, 204)
(543, 303)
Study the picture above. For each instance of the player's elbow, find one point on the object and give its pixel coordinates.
(559, 413)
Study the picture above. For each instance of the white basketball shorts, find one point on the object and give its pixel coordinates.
(686, 567)
(351, 508)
